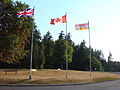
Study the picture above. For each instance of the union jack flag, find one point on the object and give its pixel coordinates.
(26, 13)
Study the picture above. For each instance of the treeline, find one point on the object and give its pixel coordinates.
(50, 54)
(15, 46)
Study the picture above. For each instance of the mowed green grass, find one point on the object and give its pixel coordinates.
(51, 76)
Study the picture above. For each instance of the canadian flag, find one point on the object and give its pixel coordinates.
(58, 20)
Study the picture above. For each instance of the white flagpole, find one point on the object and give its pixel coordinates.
(30, 76)
(90, 49)
(66, 50)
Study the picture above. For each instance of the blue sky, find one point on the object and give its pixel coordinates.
(103, 15)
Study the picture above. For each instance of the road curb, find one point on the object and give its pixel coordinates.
(43, 85)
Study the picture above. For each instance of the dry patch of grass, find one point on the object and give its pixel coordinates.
(42, 77)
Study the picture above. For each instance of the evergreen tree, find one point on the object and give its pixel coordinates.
(100, 56)
(70, 40)
(81, 60)
(62, 35)
(96, 64)
(38, 51)
(41, 57)
(60, 52)
(110, 63)
(48, 43)
(38, 59)
(80, 57)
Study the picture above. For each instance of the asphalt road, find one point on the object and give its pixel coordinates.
(110, 85)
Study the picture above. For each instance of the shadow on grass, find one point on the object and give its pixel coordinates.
(27, 81)
(19, 81)
(34, 82)
(38, 82)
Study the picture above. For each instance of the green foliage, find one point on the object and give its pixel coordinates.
(100, 56)
(70, 40)
(80, 57)
(38, 51)
(60, 53)
(110, 62)
(96, 64)
(61, 36)
(70, 53)
(81, 60)
(41, 57)
(48, 52)
(14, 32)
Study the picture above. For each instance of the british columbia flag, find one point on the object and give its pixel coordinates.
(26, 13)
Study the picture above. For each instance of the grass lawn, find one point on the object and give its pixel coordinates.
(42, 77)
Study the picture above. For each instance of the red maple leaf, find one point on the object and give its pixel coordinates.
(57, 20)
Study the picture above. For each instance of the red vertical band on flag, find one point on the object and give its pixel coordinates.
(52, 21)
(64, 19)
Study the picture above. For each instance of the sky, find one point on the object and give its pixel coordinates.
(103, 17)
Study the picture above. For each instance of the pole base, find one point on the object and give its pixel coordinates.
(66, 76)
(30, 77)
(90, 75)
